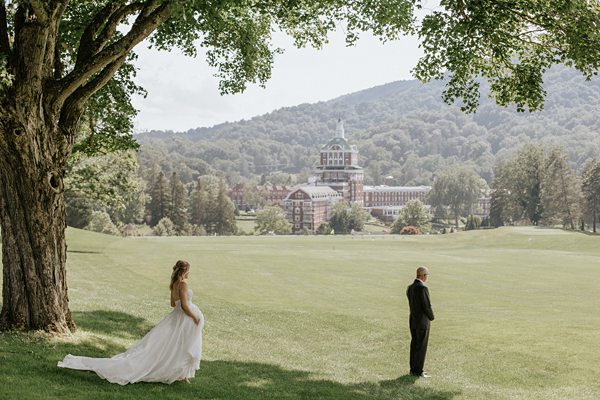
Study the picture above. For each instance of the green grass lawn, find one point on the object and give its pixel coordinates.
(325, 317)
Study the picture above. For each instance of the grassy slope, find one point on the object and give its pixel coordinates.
(326, 317)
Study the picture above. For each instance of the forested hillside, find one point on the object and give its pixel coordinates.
(403, 131)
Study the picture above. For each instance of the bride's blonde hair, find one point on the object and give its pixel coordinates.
(180, 268)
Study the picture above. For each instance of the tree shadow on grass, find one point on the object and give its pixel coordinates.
(28, 370)
(115, 323)
(258, 381)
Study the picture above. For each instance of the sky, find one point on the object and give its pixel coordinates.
(183, 93)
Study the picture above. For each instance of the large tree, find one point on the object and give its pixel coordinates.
(413, 213)
(458, 189)
(160, 199)
(104, 183)
(561, 191)
(522, 178)
(178, 210)
(63, 62)
(272, 219)
(591, 189)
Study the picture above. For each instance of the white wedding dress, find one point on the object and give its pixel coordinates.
(171, 351)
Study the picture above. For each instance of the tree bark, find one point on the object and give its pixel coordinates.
(33, 156)
(32, 218)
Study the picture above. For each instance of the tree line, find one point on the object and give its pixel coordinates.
(538, 185)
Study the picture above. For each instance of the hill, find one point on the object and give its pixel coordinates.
(402, 129)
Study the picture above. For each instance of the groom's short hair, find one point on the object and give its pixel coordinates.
(422, 271)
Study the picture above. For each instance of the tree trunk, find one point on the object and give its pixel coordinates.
(32, 218)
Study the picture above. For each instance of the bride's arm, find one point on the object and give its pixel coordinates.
(172, 300)
(183, 295)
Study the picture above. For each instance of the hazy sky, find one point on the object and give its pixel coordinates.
(183, 94)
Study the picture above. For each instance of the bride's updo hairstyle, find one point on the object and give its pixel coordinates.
(180, 268)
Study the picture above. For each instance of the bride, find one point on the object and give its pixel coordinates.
(170, 352)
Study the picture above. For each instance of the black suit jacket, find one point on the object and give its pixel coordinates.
(420, 305)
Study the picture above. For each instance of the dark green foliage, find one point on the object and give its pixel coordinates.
(591, 190)
(473, 222)
(345, 219)
(509, 44)
(518, 184)
(561, 191)
(272, 219)
(324, 229)
(457, 189)
(100, 222)
(160, 195)
(498, 201)
(223, 221)
(537, 185)
(357, 216)
(339, 218)
(107, 183)
(211, 207)
(165, 227)
(412, 214)
(178, 208)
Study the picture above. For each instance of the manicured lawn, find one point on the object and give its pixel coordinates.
(325, 317)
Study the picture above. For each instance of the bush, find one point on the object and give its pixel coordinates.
(324, 229)
(100, 222)
(197, 230)
(472, 222)
(485, 223)
(165, 227)
(410, 230)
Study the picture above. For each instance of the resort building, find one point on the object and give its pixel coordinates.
(338, 167)
(393, 196)
(308, 206)
(269, 194)
(385, 202)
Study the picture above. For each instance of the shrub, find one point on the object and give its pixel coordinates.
(410, 230)
(100, 222)
(473, 222)
(165, 227)
(324, 229)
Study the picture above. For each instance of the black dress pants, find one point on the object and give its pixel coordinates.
(418, 349)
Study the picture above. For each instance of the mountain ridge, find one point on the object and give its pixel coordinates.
(401, 128)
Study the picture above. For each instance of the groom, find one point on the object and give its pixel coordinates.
(420, 315)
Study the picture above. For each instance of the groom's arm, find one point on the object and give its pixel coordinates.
(427, 304)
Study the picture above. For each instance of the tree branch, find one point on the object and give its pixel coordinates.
(141, 29)
(39, 10)
(4, 40)
(86, 42)
(86, 91)
(74, 104)
(111, 25)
